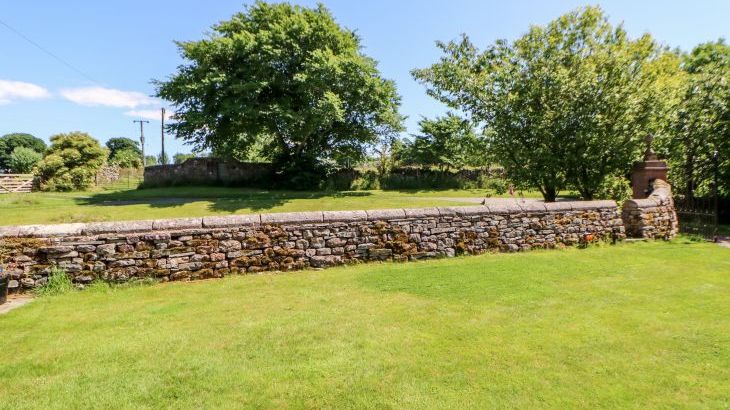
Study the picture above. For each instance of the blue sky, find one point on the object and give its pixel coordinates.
(120, 46)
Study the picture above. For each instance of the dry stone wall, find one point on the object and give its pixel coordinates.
(209, 247)
(653, 217)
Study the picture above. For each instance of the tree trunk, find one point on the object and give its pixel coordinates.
(549, 193)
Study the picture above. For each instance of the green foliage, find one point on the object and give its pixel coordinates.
(124, 152)
(71, 162)
(285, 78)
(565, 104)
(448, 143)
(9, 142)
(58, 283)
(179, 158)
(702, 123)
(126, 158)
(614, 187)
(150, 160)
(22, 160)
(122, 144)
(163, 158)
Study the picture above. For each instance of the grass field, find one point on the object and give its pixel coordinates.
(127, 204)
(644, 325)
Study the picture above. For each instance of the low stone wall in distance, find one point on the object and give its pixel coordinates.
(207, 171)
(198, 248)
(653, 217)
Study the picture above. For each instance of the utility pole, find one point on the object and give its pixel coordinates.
(162, 135)
(141, 139)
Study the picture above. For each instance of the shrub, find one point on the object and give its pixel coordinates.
(22, 160)
(616, 188)
(72, 162)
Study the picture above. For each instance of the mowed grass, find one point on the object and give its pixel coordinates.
(128, 204)
(630, 326)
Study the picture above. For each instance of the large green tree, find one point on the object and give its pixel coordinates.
(285, 77)
(566, 104)
(71, 162)
(9, 142)
(124, 152)
(447, 142)
(702, 124)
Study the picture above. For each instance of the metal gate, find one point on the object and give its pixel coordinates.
(698, 216)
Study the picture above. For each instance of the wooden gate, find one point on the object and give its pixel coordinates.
(10, 183)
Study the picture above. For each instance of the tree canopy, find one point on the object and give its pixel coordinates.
(124, 152)
(701, 126)
(9, 142)
(447, 142)
(286, 79)
(71, 162)
(566, 104)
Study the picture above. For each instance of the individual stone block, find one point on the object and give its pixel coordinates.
(292, 218)
(96, 228)
(344, 216)
(559, 206)
(178, 223)
(583, 205)
(386, 214)
(46, 231)
(505, 207)
(421, 213)
(231, 221)
(531, 206)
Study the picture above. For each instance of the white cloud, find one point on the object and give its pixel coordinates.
(153, 115)
(108, 97)
(18, 90)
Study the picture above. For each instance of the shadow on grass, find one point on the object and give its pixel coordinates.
(222, 199)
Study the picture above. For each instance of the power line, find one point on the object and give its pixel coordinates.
(38, 46)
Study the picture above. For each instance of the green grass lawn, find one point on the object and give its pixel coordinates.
(643, 325)
(126, 204)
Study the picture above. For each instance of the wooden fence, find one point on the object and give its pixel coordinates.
(11, 183)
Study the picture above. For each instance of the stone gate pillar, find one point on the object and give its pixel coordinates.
(644, 173)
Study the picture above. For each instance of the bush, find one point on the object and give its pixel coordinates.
(22, 160)
(58, 283)
(616, 188)
(72, 162)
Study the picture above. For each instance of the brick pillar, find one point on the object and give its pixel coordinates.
(644, 173)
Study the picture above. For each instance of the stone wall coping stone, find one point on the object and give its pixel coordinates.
(582, 205)
(641, 203)
(471, 210)
(344, 216)
(42, 231)
(292, 217)
(385, 214)
(531, 206)
(212, 222)
(231, 220)
(118, 227)
(558, 206)
(505, 208)
(177, 223)
(414, 213)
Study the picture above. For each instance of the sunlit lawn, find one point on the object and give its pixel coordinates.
(630, 326)
(127, 204)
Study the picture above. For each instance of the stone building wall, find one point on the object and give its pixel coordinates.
(198, 248)
(653, 217)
